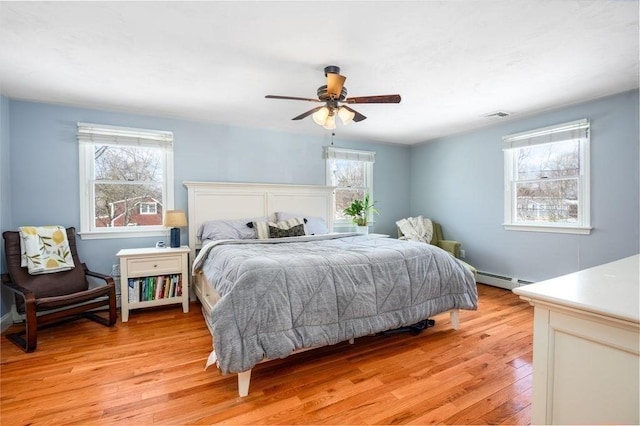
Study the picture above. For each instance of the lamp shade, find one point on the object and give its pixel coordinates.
(175, 219)
(320, 116)
(345, 115)
(330, 124)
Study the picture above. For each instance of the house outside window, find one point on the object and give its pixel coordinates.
(351, 172)
(148, 207)
(547, 179)
(126, 180)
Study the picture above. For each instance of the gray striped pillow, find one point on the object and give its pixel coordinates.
(262, 228)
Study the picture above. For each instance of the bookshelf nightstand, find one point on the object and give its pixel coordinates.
(153, 277)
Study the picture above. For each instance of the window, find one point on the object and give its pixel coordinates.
(547, 179)
(148, 208)
(351, 172)
(126, 180)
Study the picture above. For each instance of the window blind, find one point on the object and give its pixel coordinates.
(562, 132)
(114, 135)
(332, 153)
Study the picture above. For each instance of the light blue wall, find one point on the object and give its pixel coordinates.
(43, 156)
(458, 181)
(5, 190)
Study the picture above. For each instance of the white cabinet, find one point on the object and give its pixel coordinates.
(153, 277)
(586, 346)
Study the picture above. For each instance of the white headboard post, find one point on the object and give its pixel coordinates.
(231, 200)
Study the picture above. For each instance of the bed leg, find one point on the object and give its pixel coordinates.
(243, 382)
(455, 319)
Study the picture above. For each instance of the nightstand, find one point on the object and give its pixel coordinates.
(153, 277)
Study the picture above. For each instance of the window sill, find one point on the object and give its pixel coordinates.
(100, 235)
(348, 226)
(581, 230)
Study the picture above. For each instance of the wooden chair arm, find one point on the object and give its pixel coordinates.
(24, 292)
(107, 278)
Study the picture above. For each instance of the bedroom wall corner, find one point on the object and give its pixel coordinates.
(5, 201)
(458, 180)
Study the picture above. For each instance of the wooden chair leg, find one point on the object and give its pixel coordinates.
(18, 340)
(111, 320)
(113, 312)
(32, 325)
(27, 340)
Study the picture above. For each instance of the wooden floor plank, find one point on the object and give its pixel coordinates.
(150, 370)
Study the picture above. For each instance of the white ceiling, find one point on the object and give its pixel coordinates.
(453, 62)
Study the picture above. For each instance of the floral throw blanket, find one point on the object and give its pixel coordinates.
(45, 249)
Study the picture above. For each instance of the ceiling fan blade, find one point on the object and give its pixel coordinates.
(306, 114)
(379, 99)
(335, 82)
(357, 117)
(293, 98)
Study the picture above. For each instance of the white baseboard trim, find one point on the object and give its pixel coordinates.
(508, 283)
(6, 321)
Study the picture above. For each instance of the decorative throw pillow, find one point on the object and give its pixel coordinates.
(262, 228)
(294, 231)
(315, 225)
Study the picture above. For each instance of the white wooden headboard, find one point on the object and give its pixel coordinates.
(230, 200)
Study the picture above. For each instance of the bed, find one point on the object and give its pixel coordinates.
(271, 297)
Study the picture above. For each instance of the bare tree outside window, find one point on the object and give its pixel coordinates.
(125, 178)
(350, 171)
(547, 179)
(547, 182)
(350, 179)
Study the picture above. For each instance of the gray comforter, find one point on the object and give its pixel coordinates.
(291, 293)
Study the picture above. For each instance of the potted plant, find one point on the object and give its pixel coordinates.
(359, 211)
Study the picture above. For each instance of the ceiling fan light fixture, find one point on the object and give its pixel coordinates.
(345, 115)
(320, 116)
(332, 95)
(330, 123)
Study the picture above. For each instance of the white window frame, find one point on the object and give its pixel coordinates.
(580, 130)
(150, 208)
(90, 135)
(366, 157)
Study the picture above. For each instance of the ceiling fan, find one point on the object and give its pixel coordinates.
(334, 96)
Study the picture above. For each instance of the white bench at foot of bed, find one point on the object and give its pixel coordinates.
(244, 377)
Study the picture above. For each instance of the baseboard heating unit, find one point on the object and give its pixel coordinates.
(501, 281)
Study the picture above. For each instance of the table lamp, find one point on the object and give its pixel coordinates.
(175, 219)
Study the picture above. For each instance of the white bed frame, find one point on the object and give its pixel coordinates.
(224, 200)
(230, 200)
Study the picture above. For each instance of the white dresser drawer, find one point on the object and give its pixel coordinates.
(155, 266)
(206, 294)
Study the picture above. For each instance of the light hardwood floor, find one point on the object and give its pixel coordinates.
(150, 370)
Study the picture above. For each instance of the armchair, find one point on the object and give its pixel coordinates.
(437, 240)
(51, 297)
(453, 247)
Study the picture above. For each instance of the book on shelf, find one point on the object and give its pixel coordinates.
(144, 289)
(159, 293)
(134, 290)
